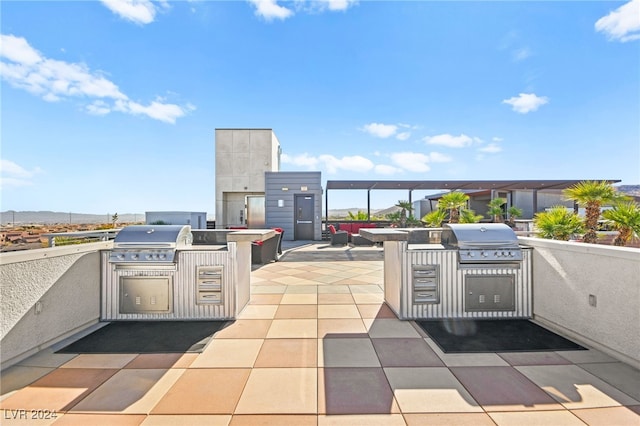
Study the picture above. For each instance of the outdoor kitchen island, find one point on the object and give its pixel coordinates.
(424, 280)
(197, 281)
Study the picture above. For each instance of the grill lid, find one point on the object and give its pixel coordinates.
(149, 243)
(478, 234)
(482, 242)
(153, 236)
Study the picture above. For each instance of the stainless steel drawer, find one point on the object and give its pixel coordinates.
(425, 282)
(206, 297)
(420, 273)
(425, 296)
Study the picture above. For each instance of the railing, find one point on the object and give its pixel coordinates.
(79, 237)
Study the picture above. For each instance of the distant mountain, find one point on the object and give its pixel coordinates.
(631, 190)
(49, 217)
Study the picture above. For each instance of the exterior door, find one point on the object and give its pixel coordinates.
(303, 217)
(255, 212)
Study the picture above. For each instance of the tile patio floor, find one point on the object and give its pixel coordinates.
(317, 346)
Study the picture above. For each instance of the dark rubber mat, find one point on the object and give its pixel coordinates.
(481, 335)
(147, 337)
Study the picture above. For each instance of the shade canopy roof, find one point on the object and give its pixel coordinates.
(455, 184)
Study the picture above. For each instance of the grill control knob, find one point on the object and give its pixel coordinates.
(162, 256)
(120, 256)
(148, 257)
(134, 256)
(484, 254)
(470, 254)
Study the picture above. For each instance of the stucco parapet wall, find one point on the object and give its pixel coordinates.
(50, 252)
(627, 253)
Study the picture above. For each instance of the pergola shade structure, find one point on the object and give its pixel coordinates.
(448, 185)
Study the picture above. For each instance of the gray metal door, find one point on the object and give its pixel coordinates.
(303, 217)
(255, 211)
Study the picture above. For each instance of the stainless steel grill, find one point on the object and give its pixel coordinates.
(482, 243)
(149, 244)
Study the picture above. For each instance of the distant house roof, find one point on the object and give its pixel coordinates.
(456, 184)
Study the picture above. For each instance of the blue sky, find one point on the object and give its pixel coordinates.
(111, 106)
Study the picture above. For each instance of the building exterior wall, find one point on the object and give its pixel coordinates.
(524, 199)
(281, 214)
(197, 220)
(242, 158)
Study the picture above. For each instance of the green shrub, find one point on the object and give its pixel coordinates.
(558, 223)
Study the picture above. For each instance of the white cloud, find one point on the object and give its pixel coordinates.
(491, 148)
(270, 9)
(380, 130)
(436, 157)
(355, 163)
(14, 175)
(449, 140)
(16, 49)
(302, 160)
(385, 169)
(411, 161)
(384, 131)
(526, 102)
(156, 110)
(333, 5)
(137, 11)
(622, 24)
(98, 108)
(521, 54)
(25, 68)
(403, 136)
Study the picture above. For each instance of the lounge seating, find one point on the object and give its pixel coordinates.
(265, 251)
(338, 237)
(353, 230)
(281, 231)
(359, 240)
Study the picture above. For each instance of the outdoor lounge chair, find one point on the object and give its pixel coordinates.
(265, 251)
(338, 237)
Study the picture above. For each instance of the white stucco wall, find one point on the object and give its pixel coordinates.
(242, 157)
(63, 283)
(565, 274)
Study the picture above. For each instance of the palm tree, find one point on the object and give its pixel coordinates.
(558, 223)
(435, 218)
(495, 209)
(625, 217)
(453, 201)
(469, 216)
(514, 213)
(592, 195)
(405, 207)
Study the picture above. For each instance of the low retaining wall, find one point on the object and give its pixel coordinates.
(47, 295)
(589, 292)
